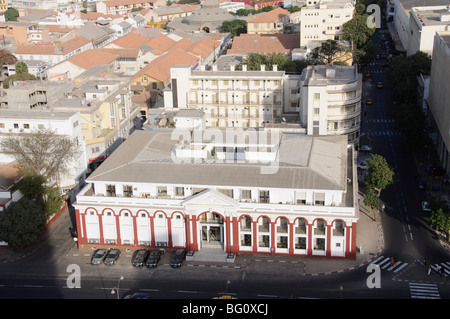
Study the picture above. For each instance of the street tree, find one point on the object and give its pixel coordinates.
(372, 200)
(440, 221)
(22, 223)
(380, 174)
(331, 51)
(42, 152)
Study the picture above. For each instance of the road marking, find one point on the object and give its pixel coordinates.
(269, 296)
(187, 291)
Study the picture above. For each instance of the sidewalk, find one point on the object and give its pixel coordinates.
(57, 236)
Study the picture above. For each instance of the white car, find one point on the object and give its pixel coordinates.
(362, 162)
(365, 148)
(426, 207)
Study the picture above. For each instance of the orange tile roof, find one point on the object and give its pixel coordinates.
(159, 69)
(203, 47)
(270, 16)
(161, 43)
(92, 57)
(264, 43)
(122, 53)
(131, 40)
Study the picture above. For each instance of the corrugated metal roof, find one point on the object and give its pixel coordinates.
(305, 162)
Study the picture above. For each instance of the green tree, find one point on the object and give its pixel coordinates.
(357, 31)
(22, 223)
(372, 200)
(380, 174)
(403, 75)
(235, 27)
(21, 67)
(11, 14)
(32, 186)
(440, 221)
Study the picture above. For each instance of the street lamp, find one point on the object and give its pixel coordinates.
(113, 291)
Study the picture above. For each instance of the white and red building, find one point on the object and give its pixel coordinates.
(284, 194)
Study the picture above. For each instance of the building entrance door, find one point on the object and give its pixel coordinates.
(211, 230)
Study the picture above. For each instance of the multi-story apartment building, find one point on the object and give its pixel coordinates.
(122, 7)
(423, 24)
(233, 98)
(439, 95)
(108, 116)
(19, 121)
(271, 22)
(330, 99)
(277, 194)
(323, 20)
(24, 33)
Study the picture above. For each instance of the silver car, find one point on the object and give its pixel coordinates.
(98, 256)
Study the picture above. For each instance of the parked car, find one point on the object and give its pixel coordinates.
(365, 149)
(367, 74)
(112, 256)
(98, 256)
(178, 258)
(362, 162)
(379, 84)
(369, 101)
(137, 295)
(139, 257)
(153, 258)
(426, 207)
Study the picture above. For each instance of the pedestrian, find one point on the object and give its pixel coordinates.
(392, 261)
(429, 269)
(75, 239)
(425, 262)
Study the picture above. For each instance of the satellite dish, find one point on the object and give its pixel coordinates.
(284, 119)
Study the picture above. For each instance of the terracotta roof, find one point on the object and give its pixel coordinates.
(122, 53)
(55, 48)
(92, 57)
(270, 16)
(203, 47)
(161, 43)
(159, 69)
(131, 40)
(264, 43)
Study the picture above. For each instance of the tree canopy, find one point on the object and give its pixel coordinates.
(380, 174)
(22, 223)
(42, 152)
(235, 27)
(403, 75)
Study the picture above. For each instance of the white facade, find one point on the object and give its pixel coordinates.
(233, 98)
(423, 25)
(64, 123)
(128, 203)
(324, 20)
(330, 99)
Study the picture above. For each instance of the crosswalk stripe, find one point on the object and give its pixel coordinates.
(401, 267)
(424, 291)
(384, 263)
